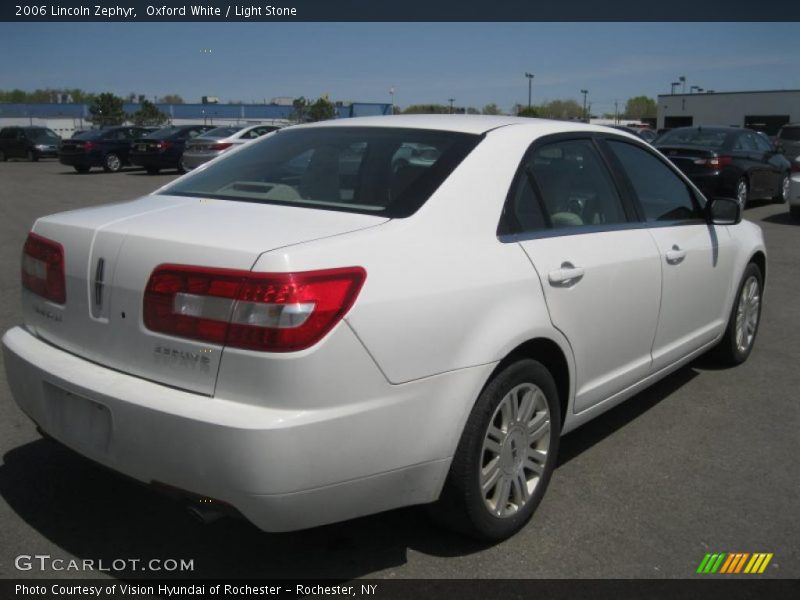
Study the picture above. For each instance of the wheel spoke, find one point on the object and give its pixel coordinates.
(534, 460)
(490, 475)
(520, 488)
(527, 406)
(503, 496)
(490, 445)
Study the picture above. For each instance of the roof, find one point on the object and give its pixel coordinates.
(475, 124)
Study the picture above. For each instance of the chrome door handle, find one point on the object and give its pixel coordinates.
(567, 275)
(675, 255)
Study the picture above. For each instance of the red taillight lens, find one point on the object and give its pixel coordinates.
(89, 146)
(163, 145)
(274, 312)
(43, 268)
(221, 146)
(715, 162)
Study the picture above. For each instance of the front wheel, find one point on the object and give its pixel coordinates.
(742, 191)
(506, 454)
(112, 163)
(743, 321)
(785, 189)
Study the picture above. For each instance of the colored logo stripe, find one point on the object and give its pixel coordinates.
(734, 562)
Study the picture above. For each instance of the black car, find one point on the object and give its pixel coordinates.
(107, 148)
(31, 143)
(728, 161)
(163, 149)
(645, 133)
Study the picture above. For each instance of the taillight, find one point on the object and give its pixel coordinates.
(274, 312)
(221, 146)
(88, 146)
(43, 268)
(164, 144)
(715, 162)
(796, 166)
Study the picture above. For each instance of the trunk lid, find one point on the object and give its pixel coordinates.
(110, 252)
(685, 157)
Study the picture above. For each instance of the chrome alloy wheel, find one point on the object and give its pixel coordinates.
(113, 163)
(786, 186)
(747, 313)
(741, 193)
(515, 450)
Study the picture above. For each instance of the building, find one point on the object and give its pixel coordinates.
(65, 119)
(761, 110)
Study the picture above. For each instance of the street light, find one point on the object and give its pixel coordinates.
(391, 93)
(674, 84)
(451, 100)
(530, 82)
(682, 79)
(584, 92)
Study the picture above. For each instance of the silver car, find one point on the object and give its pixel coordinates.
(217, 141)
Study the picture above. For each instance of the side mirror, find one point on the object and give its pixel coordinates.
(724, 211)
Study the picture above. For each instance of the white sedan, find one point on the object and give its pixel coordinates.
(306, 332)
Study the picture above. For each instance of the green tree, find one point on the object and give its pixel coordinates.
(528, 111)
(639, 107)
(561, 109)
(322, 110)
(148, 114)
(106, 110)
(427, 109)
(171, 99)
(299, 109)
(491, 109)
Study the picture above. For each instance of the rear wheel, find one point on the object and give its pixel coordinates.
(152, 170)
(785, 189)
(506, 454)
(81, 168)
(742, 190)
(740, 335)
(112, 163)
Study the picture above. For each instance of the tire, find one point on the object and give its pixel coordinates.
(31, 156)
(744, 319)
(794, 212)
(152, 170)
(112, 163)
(742, 192)
(81, 168)
(510, 441)
(783, 193)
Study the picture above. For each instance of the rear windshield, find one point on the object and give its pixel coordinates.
(221, 132)
(163, 133)
(388, 172)
(708, 138)
(791, 134)
(92, 134)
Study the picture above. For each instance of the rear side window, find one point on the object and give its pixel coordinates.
(791, 134)
(662, 194)
(383, 171)
(563, 185)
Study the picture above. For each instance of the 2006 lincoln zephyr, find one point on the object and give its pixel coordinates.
(352, 316)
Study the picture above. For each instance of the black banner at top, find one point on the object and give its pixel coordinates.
(405, 10)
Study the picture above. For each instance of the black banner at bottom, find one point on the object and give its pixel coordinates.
(381, 589)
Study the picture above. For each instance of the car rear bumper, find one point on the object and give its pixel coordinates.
(81, 160)
(192, 160)
(250, 457)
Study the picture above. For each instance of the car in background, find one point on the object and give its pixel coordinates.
(31, 143)
(794, 190)
(788, 140)
(645, 133)
(108, 148)
(305, 335)
(218, 141)
(163, 148)
(729, 161)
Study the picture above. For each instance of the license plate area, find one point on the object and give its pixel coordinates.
(77, 421)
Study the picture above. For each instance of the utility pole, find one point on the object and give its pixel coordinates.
(451, 100)
(616, 112)
(584, 92)
(391, 95)
(530, 83)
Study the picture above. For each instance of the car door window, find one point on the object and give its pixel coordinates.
(563, 185)
(663, 195)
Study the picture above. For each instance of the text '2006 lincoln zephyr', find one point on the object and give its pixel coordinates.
(351, 316)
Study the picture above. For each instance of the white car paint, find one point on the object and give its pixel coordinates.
(368, 418)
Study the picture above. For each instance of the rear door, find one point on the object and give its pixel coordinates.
(598, 267)
(696, 257)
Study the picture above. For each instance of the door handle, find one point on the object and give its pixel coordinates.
(566, 276)
(675, 255)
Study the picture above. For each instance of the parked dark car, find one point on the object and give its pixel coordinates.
(728, 161)
(107, 148)
(163, 149)
(31, 143)
(788, 140)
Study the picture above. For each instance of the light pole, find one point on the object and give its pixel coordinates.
(616, 112)
(391, 94)
(695, 88)
(584, 92)
(682, 79)
(674, 84)
(451, 100)
(529, 76)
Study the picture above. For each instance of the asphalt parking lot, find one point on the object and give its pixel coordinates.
(704, 461)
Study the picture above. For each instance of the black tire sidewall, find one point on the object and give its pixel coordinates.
(465, 476)
(732, 352)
